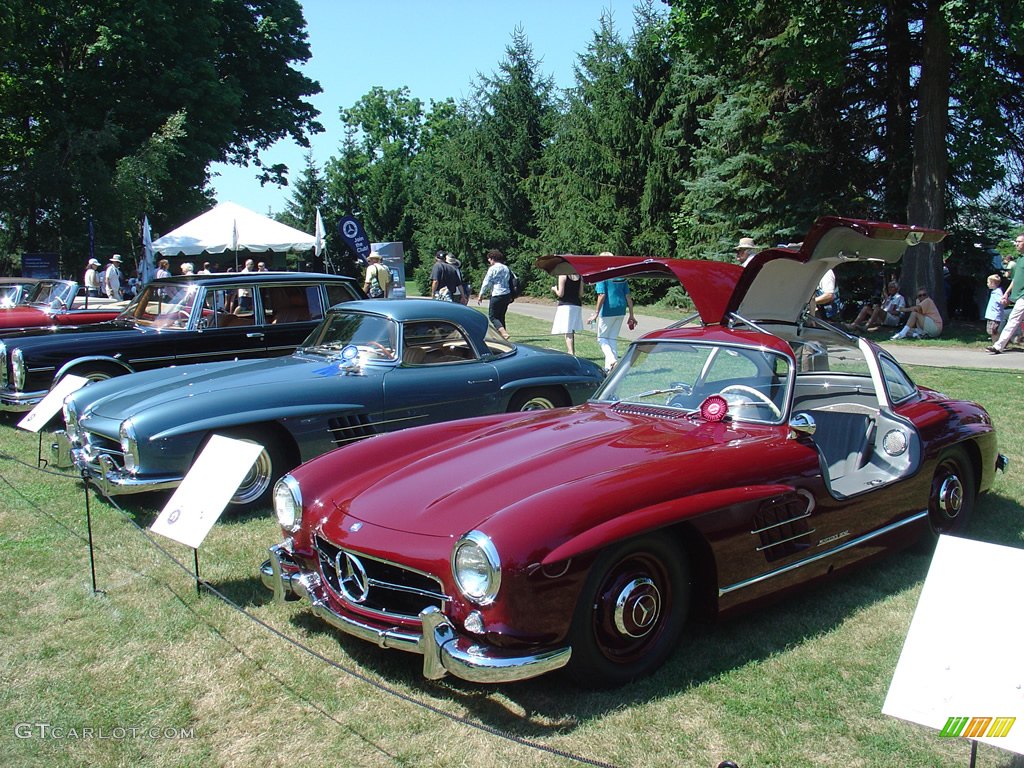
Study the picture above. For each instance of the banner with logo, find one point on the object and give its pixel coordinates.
(352, 233)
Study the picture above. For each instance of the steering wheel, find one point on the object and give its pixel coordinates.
(756, 394)
(179, 319)
(680, 394)
(378, 349)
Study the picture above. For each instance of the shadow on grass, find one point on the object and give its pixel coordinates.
(246, 592)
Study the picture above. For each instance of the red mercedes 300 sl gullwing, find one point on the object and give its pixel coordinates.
(720, 462)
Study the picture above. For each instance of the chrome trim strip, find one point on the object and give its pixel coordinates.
(821, 556)
(784, 522)
(785, 541)
(160, 359)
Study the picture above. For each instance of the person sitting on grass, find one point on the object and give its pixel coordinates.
(874, 316)
(923, 321)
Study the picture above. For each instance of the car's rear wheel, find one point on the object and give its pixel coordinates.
(631, 612)
(256, 487)
(952, 497)
(542, 399)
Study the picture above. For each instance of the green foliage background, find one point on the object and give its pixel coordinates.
(692, 125)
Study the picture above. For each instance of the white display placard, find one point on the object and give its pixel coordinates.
(963, 654)
(48, 407)
(205, 491)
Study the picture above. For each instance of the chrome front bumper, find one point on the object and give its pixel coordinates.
(102, 471)
(21, 401)
(444, 651)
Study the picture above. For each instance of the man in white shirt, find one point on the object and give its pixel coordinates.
(112, 278)
(92, 279)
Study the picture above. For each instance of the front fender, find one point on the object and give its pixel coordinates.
(647, 519)
(240, 418)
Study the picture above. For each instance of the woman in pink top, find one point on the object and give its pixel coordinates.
(924, 320)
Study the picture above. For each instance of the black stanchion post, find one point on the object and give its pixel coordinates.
(40, 461)
(195, 559)
(88, 526)
(974, 752)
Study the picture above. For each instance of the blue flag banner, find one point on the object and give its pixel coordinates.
(351, 231)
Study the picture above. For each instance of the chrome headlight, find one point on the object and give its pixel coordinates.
(288, 503)
(71, 419)
(18, 369)
(477, 567)
(3, 364)
(129, 446)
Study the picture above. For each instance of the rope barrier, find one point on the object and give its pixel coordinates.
(297, 644)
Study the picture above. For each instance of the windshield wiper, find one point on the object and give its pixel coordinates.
(676, 388)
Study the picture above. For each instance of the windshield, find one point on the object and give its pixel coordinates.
(755, 382)
(52, 293)
(162, 306)
(373, 335)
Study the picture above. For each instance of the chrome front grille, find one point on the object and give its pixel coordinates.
(93, 445)
(376, 585)
(3, 365)
(347, 429)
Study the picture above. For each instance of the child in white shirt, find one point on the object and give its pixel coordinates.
(994, 311)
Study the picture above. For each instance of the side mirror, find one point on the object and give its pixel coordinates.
(803, 423)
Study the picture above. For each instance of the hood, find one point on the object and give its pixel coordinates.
(181, 394)
(552, 460)
(777, 284)
(57, 336)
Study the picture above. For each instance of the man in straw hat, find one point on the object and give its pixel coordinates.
(377, 284)
(112, 278)
(745, 250)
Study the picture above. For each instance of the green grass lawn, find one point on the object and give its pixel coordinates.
(798, 684)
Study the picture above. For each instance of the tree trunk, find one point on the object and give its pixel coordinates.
(922, 264)
(897, 144)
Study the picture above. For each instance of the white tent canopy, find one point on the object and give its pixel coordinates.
(230, 227)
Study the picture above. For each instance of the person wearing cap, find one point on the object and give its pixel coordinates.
(92, 279)
(464, 289)
(745, 250)
(377, 284)
(112, 278)
(444, 279)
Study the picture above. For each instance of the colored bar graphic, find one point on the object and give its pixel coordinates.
(977, 727)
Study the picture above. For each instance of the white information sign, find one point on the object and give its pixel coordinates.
(48, 407)
(961, 671)
(205, 491)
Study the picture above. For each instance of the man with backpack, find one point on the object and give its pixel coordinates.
(377, 284)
